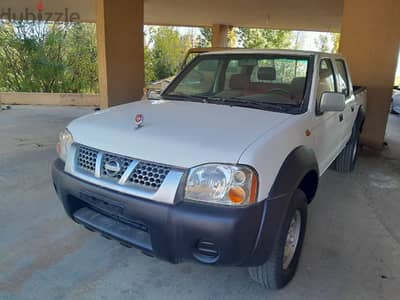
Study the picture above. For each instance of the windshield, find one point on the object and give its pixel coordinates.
(253, 80)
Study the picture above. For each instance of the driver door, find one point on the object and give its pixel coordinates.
(330, 125)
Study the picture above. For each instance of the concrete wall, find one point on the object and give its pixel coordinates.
(50, 99)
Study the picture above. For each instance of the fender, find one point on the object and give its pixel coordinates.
(300, 162)
(299, 170)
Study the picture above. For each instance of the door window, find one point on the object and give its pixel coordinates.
(343, 81)
(326, 81)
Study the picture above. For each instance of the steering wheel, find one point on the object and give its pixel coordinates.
(280, 91)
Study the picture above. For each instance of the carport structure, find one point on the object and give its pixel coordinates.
(370, 37)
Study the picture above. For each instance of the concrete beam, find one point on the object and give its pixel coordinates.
(321, 15)
(220, 35)
(370, 41)
(120, 41)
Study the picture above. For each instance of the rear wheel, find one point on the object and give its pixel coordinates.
(346, 160)
(281, 266)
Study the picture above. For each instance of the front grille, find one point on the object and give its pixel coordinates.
(122, 161)
(146, 175)
(87, 159)
(149, 175)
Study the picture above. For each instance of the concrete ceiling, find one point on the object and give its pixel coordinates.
(318, 15)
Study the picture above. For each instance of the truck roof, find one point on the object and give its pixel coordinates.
(270, 51)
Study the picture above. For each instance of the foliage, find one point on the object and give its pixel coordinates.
(205, 37)
(80, 50)
(149, 74)
(264, 38)
(62, 57)
(48, 57)
(296, 40)
(322, 43)
(328, 42)
(335, 41)
(232, 38)
(167, 50)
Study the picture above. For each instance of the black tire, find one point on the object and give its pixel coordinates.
(347, 159)
(272, 274)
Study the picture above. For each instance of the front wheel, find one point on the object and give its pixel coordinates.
(281, 266)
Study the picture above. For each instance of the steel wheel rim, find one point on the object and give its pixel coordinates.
(292, 239)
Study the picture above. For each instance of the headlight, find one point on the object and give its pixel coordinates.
(65, 141)
(222, 184)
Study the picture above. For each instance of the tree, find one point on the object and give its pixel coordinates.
(205, 37)
(264, 38)
(168, 51)
(322, 43)
(48, 57)
(149, 74)
(232, 38)
(327, 42)
(30, 58)
(335, 37)
(80, 60)
(297, 40)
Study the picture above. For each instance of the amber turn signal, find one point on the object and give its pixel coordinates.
(237, 194)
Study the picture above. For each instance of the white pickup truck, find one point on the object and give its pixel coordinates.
(222, 168)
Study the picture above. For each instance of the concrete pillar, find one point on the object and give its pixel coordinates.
(220, 35)
(370, 41)
(120, 41)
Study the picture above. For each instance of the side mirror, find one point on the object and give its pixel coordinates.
(332, 102)
(154, 95)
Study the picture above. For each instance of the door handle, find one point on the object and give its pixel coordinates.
(352, 109)
(340, 117)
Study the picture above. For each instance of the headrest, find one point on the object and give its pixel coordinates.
(297, 88)
(323, 74)
(298, 82)
(267, 73)
(239, 82)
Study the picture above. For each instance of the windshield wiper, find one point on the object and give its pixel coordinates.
(183, 97)
(237, 101)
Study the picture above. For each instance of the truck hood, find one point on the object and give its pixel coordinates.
(177, 133)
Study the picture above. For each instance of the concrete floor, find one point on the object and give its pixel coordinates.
(352, 247)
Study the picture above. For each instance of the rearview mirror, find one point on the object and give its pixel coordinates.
(332, 102)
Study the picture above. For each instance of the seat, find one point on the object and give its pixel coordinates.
(297, 88)
(239, 82)
(266, 74)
